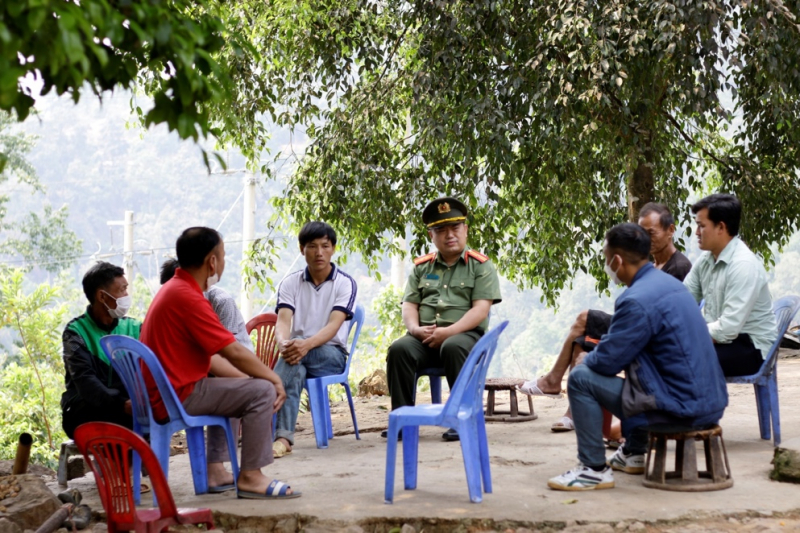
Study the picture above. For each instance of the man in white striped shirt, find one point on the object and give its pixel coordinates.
(314, 305)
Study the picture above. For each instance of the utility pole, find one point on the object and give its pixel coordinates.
(398, 275)
(248, 235)
(127, 247)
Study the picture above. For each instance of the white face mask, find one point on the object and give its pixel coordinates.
(123, 306)
(612, 274)
(211, 281)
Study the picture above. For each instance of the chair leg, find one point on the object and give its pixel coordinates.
(763, 407)
(352, 408)
(315, 398)
(391, 459)
(436, 389)
(137, 479)
(195, 441)
(232, 448)
(326, 402)
(410, 456)
(772, 385)
(483, 443)
(63, 461)
(468, 433)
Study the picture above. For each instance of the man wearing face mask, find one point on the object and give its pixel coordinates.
(592, 324)
(657, 336)
(184, 332)
(95, 392)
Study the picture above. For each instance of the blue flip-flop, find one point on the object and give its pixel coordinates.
(275, 491)
(221, 488)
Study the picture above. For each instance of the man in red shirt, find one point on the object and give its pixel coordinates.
(185, 334)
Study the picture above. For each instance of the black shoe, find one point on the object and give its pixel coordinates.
(385, 435)
(450, 435)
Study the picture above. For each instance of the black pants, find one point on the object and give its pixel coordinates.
(739, 357)
(74, 416)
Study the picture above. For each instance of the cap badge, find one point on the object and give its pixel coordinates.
(444, 207)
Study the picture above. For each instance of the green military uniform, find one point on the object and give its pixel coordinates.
(444, 293)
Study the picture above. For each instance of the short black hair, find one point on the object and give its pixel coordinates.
(722, 208)
(665, 216)
(316, 230)
(168, 269)
(629, 240)
(100, 276)
(195, 244)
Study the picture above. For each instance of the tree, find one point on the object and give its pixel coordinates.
(553, 120)
(71, 46)
(38, 237)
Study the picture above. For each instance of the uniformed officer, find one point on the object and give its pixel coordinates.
(445, 306)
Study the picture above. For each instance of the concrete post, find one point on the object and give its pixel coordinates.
(248, 235)
(127, 249)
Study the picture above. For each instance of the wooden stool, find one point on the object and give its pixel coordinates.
(509, 384)
(685, 477)
(68, 449)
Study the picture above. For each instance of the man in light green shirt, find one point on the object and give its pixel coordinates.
(733, 282)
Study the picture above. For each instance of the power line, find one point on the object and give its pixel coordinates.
(25, 262)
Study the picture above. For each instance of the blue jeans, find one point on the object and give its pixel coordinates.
(321, 361)
(590, 392)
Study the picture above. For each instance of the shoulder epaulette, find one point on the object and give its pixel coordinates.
(479, 257)
(425, 258)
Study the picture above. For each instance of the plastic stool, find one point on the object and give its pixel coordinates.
(686, 477)
(68, 449)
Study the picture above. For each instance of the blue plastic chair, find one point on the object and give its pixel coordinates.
(318, 390)
(463, 411)
(435, 375)
(126, 356)
(765, 381)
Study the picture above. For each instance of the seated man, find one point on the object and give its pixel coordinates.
(95, 393)
(184, 332)
(658, 337)
(591, 325)
(733, 282)
(314, 306)
(445, 306)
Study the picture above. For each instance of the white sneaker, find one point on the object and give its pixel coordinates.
(630, 464)
(583, 478)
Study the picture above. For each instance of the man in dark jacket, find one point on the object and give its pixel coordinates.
(95, 392)
(660, 339)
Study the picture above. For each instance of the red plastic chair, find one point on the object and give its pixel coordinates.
(106, 448)
(266, 348)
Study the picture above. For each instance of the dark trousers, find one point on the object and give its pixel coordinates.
(74, 416)
(739, 357)
(407, 355)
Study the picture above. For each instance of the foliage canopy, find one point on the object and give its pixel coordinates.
(553, 119)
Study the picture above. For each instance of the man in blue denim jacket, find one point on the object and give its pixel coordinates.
(660, 339)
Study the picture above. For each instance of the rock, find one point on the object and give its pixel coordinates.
(785, 465)
(374, 384)
(7, 526)
(407, 528)
(32, 505)
(621, 526)
(287, 525)
(100, 527)
(637, 526)
(7, 466)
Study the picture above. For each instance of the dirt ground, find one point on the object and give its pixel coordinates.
(343, 485)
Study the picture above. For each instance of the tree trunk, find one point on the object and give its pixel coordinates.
(640, 189)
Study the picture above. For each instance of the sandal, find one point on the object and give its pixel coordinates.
(564, 424)
(275, 491)
(531, 388)
(279, 449)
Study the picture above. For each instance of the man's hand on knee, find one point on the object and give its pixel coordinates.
(422, 332)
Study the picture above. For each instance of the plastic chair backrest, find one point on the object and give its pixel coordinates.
(266, 348)
(106, 449)
(784, 308)
(356, 322)
(468, 388)
(120, 347)
(125, 362)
